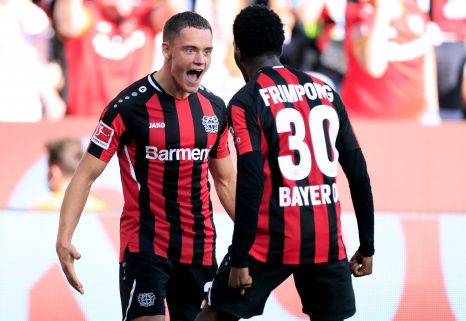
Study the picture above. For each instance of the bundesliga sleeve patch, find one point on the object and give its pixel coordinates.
(103, 135)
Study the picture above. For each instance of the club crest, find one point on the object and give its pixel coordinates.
(210, 124)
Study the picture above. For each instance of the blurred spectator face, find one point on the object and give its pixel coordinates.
(189, 56)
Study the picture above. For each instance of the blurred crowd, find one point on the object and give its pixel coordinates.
(389, 59)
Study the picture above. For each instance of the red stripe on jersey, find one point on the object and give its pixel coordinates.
(261, 242)
(209, 229)
(341, 248)
(129, 225)
(295, 229)
(316, 178)
(130, 218)
(185, 179)
(243, 141)
(291, 214)
(156, 172)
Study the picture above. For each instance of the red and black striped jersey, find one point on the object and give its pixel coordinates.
(297, 126)
(163, 146)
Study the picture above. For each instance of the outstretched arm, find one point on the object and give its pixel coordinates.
(370, 43)
(73, 204)
(70, 17)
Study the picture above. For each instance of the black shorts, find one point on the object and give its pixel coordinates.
(325, 289)
(147, 279)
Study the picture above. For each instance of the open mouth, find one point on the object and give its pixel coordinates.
(194, 75)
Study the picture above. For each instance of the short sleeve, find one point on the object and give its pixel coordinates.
(106, 137)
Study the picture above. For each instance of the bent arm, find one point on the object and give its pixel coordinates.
(431, 115)
(370, 45)
(224, 176)
(250, 188)
(70, 17)
(354, 166)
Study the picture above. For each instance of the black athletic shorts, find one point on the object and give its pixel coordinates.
(325, 289)
(147, 279)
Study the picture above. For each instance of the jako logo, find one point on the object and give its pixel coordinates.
(153, 152)
(157, 125)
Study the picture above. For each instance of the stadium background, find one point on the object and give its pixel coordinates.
(418, 176)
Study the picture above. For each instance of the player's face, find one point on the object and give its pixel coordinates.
(189, 56)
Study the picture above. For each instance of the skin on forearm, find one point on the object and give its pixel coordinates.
(70, 17)
(430, 77)
(371, 50)
(76, 196)
(226, 195)
(224, 177)
(73, 204)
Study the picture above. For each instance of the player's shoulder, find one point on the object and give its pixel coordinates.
(139, 92)
(216, 101)
(246, 94)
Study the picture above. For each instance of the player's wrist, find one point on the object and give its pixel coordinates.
(238, 260)
(366, 250)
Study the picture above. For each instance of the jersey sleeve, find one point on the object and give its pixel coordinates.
(354, 165)
(220, 148)
(244, 127)
(250, 181)
(106, 137)
(346, 139)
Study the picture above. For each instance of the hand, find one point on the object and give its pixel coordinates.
(240, 279)
(67, 253)
(360, 265)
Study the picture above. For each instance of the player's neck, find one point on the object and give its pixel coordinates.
(257, 63)
(164, 78)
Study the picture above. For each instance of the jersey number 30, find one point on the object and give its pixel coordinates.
(297, 142)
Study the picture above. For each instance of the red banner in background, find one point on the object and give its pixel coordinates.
(418, 176)
(412, 167)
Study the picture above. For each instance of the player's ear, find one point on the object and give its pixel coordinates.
(237, 53)
(166, 50)
(55, 176)
(239, 57)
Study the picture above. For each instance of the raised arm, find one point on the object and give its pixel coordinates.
(73, 204)
(224, 176)
(70, 17)
(370, 42)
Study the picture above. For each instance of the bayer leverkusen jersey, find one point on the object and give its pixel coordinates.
(163, 146)
(299, 125)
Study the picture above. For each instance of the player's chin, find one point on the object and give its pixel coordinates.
(192, 87)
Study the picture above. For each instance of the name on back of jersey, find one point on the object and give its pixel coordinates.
(308, 195)
(295, 92)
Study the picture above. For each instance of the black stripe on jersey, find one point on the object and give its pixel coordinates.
(277, 220)
(306, 212)
(331, 207)
(200, 138)
(333, 250)
(171, 175)
(147, 220)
